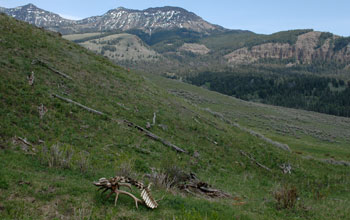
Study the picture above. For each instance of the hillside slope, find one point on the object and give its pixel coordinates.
(121, 47)
(308, 133)
(51, 151)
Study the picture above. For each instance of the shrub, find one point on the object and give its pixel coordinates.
(286, 197)
(169, 177)
(83, 161)
(57, 156)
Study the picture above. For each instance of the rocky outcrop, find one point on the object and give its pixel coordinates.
(306, 50)
(195, 48)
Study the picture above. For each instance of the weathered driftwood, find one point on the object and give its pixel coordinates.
(43, 63)
(256, 162)
(128, 123)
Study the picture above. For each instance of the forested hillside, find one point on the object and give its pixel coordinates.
(281, 87)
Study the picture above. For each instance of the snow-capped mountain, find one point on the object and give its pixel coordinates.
(149, 19)
(117, 19)
(34, 15)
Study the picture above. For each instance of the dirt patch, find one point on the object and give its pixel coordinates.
(29, 199)
(52, 209)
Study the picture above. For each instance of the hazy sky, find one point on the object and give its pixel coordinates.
(260, 16)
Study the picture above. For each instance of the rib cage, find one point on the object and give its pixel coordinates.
(147, 198)
(145, 193)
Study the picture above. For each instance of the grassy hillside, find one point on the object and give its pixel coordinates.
(306, 133)
(119, 47)
(77, 37)
(51, 178)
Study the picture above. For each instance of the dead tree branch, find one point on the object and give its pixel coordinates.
(256, 162)
(153, 136)
(24, 141)
(44, 64)
(78, 104)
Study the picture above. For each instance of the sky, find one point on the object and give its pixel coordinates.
(259, 16)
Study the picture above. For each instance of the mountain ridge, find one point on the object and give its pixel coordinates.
(37, 16)
(166, 17)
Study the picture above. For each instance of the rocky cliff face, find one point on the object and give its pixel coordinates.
(117, 19)
(306, 50)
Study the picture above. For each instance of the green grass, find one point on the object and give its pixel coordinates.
(74, 37)
(309, 132)
(31, 188)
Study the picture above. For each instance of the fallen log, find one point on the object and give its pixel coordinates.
(153, 136)
(196, 188)
(128, 123)
(78, 104)
(43, 63)
(256, 162)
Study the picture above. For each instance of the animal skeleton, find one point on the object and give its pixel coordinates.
(115, 183)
